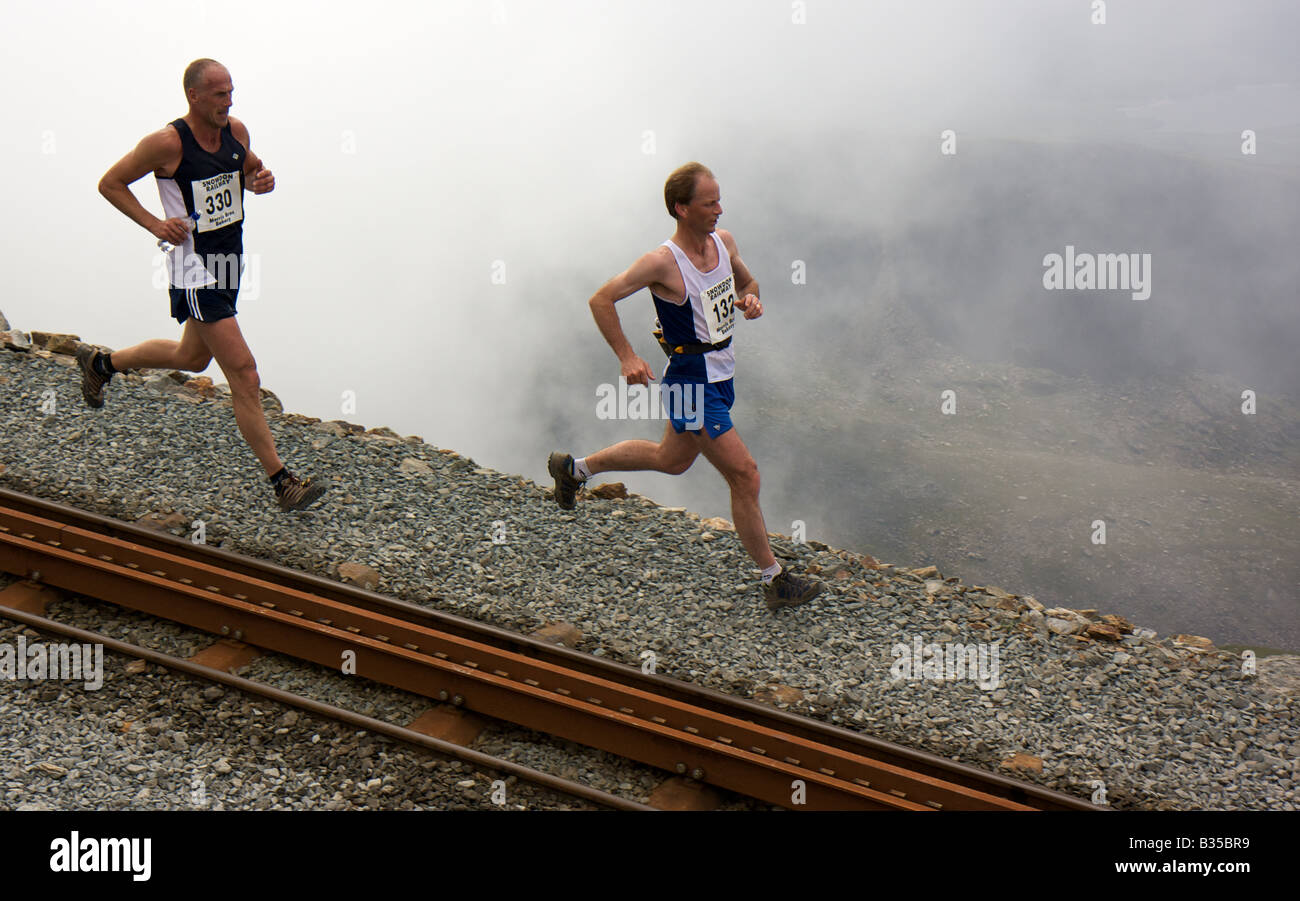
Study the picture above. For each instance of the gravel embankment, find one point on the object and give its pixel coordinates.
(59, 733)
(1158, 723)
(153, 740)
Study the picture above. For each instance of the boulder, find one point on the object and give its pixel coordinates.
(202, 386)
(163, 523)
(56, 342)
(415, 466)
(566, 634)
(1103, 632)
(359, 574)
(15, 340)
(1124, 626)
(1063, 626)
(780, 695)
(1023, 763)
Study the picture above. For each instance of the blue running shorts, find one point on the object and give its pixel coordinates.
(682, 403)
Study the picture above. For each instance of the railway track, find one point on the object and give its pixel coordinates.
(319, 708)
(714, 738)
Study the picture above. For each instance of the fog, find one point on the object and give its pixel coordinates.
(454, 181)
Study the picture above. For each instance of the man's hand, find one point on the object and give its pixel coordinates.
(751, 306)
(173, 231)
(637, 371)
(261, 181)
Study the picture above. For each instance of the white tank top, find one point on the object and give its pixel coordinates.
(712, 300)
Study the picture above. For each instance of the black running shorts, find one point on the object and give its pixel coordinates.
(203, 304)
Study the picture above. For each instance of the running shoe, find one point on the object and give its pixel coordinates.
(566, 483)
(297, 494)
(92, 383)
(788, 590)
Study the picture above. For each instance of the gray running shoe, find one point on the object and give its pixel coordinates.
(297, 494)
(566, 483)
(788, 590)
(92, 383)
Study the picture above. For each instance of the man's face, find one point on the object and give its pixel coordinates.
(705, 208)
(212, 98)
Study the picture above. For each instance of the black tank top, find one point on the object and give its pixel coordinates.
(213, 185)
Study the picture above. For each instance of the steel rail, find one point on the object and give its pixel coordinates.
(330, 711)
(811, 748)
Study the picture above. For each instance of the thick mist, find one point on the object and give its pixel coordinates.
(454, 181)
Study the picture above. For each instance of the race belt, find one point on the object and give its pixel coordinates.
(680, 349)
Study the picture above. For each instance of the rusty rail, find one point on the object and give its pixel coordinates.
(352, 718)
(723, 741)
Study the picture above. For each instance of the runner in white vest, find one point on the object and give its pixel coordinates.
(698, 281)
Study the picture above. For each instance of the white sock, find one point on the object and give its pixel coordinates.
(771, 573)
(580, 468)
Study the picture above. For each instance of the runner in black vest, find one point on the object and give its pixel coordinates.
(205, 269)
(202, 163)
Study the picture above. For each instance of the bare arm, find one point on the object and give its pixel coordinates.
(646, 271)
(158, 152)
(746, 284)
(257, 178)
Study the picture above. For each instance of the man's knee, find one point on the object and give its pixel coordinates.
(675, 456)
(195, 362)
(744, 478)
(243, 376)
(676, 467)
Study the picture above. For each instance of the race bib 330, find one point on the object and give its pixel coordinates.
(217, 200)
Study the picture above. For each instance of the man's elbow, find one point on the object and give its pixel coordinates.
(106, 186)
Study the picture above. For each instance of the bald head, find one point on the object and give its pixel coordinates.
(209, 91)
(195, 72)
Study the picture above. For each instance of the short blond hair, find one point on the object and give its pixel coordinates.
(680, 187)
